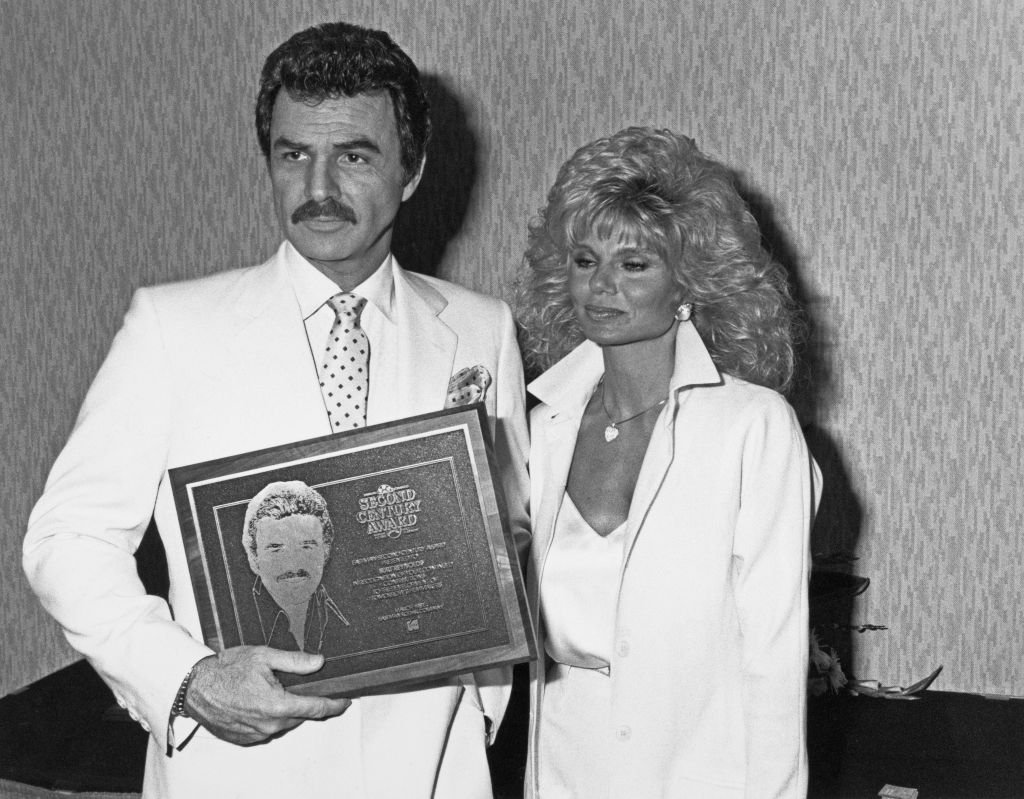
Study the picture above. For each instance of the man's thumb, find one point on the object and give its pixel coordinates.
(295, 662)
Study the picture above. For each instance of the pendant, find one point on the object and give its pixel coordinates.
(611, 432)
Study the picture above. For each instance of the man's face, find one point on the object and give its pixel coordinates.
(290, 557)
(336, 171)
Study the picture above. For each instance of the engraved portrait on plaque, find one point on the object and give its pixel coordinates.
(287, 536)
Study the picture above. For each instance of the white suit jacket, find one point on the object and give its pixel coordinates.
(220, 366)
(710, 649)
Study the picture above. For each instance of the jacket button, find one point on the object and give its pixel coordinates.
(623, 733)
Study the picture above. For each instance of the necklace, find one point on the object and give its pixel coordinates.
(611, 432)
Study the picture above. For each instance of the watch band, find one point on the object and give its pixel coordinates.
(178, 708)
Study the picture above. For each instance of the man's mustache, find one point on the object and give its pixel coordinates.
(327, 209)
(290, 575)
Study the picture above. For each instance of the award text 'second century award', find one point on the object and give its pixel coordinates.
(385, 549)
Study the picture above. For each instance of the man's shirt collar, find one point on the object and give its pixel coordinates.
(313, 288)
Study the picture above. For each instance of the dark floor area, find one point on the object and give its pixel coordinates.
(66, 733)
(947, 745)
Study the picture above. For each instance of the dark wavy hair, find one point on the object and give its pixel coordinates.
(337, 59)
(655, 188)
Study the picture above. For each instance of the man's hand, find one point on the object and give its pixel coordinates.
(236, 696)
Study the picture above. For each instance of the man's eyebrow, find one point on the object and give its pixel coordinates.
(358, 144)
(284, 143)
(362, 143)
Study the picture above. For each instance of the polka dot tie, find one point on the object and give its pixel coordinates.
(345, 365)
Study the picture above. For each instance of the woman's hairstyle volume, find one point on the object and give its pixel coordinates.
(654, 188)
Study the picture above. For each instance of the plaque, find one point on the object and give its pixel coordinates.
(386, 549)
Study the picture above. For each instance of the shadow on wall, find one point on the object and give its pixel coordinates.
(433, 216)
(837, 527)
(834, 541)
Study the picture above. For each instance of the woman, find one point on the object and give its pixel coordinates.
(672, 491)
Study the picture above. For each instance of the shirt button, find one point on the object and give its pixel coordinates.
(623, 733)
(622, 650)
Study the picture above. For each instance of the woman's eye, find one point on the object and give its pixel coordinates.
(582, 262)
(635, 266)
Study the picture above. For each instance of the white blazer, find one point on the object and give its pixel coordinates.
(220, 366)
(710, 649)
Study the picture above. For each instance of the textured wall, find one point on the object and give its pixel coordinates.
(880, 142)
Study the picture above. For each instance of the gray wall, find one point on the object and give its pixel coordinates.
(880, 140)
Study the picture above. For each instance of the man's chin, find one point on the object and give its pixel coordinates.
(340, 257)
(293, 595)
(321, 241)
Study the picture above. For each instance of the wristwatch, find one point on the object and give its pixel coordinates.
(178, 709)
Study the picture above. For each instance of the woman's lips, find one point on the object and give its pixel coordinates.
(601, 314)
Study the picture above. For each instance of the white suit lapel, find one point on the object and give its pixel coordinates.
(564, 389)
(693, 366)
(559, 431)
(426, 350)
(269, 361)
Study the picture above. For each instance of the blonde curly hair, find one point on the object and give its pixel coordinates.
(657, 189)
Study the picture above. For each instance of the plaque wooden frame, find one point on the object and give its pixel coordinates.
(422, 582)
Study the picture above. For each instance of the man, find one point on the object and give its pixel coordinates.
(327, 334)
(287, 536)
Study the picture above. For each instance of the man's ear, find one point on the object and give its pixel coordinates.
(252, 560)
(414, 181)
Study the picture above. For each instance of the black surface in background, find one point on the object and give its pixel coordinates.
(66, 733)
(947, 745)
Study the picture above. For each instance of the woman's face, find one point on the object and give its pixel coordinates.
(621, 293)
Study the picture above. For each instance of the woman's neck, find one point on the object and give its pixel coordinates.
(637, 376)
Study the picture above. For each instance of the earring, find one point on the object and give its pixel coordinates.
(684, 311)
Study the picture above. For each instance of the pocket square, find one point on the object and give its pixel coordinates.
(467, 386)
